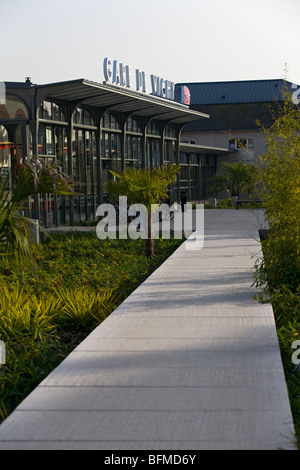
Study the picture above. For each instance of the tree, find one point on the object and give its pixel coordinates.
(279, 187)
(238, 177)
(35, 177)
(145, 187)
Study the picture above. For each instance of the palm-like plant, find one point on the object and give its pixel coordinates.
(145, 187)
(35, 177)
(237, 178)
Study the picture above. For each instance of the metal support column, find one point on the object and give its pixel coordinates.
(34, 125)
(98, 156)
(69, 132)
(123, 139)
(177, 162)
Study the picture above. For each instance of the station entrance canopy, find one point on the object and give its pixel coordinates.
(119, 100)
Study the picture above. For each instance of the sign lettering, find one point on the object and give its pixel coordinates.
(120, 74)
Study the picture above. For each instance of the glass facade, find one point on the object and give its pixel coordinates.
(133, 151)
(84, 173)
(117, 150)
(51, 112)
(196, 175)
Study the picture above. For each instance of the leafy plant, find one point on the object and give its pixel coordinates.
(35, 177)
(85, 308)
(237, 177)
(279, 187)
(22, 313)
(145, 187)
(224, 203)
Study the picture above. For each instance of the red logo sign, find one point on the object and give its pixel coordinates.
(185, 95)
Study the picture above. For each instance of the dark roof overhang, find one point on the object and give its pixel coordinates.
(118, 99)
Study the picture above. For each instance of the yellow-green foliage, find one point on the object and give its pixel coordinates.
(84, 307)
(279, 186)
(24, 313)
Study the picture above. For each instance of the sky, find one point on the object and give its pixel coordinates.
(180, 41)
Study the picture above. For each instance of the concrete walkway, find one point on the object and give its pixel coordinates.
(189, 361)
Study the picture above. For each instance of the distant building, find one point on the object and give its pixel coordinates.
(234, 107)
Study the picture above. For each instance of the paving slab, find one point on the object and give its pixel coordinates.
(190, 360)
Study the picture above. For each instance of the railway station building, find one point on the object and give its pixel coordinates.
(87, 129)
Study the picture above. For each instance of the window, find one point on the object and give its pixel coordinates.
(49, 141)
(115, 146)
(133, 125)
(56, 112)
(129, 124)
(86, 118)
(51, 111)
(169, 151)
(250, 144)
(183, 158)
(153, 128)
(42, 140)
(109, 122)
(111, 145)
(78, 116)
(52, 141)
(59, 143)
(5, 148)
(170, 131)
(105, 121)
(193, 159)
(83, 117)
(241, 143)
(232, 144)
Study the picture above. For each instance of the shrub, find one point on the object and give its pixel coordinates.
(279, 187)
(224, 203)
(237, 178)
(85, 308)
